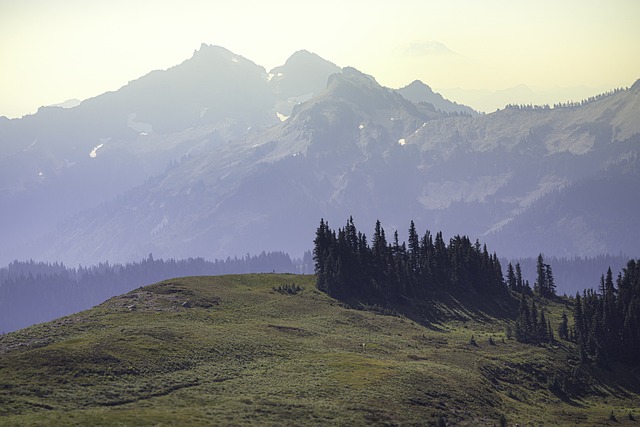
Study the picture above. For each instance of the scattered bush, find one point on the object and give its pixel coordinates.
(508, 331)
(288, 289)
(377, 308)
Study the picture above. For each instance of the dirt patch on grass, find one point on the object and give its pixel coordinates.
(162, 297)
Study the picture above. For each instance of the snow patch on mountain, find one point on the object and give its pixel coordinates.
(94, 152)
(30, 147)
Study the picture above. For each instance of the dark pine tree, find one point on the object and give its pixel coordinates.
(511, 278)
(519, 283)
(563, 329)
(607, 323)
(392, 273)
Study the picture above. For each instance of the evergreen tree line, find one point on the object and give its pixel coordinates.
(571, 274)
(429, 106)
(531, 325)
(515, 282)
(33, 292)
(569, 104)
(347, 266)
(607, 321)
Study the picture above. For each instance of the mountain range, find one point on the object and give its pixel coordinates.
(216, 157)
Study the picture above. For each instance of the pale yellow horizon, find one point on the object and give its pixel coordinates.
(56, 50)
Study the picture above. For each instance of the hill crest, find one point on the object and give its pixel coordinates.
(203, 349)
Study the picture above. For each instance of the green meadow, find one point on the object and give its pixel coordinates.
(270, 349)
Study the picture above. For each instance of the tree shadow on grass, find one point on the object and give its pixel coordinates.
(437, 308)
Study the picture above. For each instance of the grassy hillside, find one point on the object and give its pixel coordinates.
(236, 350)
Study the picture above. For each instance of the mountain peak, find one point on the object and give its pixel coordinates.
(419, 85)
(419, 92)
(353, 75)
(211, 54)
(305, 61)
(211, 48)
(304, 58)
(303, 75)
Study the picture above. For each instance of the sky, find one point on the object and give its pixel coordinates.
(55, 50)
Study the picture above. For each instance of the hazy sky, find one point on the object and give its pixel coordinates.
(54, 50)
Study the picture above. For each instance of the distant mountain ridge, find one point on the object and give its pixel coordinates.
(418, 92)
(240, 160)
(489, 101)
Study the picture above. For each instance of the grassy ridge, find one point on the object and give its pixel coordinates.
(244, 350)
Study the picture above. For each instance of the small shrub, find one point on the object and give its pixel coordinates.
(555, 385)
(508, 331)
(491, 341)
(287, 289)
(376, 308)
(473, 342)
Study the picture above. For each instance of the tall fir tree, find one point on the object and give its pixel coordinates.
(519, 283)
(539, 284)
(511, 278)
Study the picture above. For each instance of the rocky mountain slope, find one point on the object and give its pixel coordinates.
(58, 161)
(255, 159)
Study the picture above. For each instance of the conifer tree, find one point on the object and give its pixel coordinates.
(523, 322)
(578, 321)
(550, 287)
(607, 323)
(414, 249)
(608, 283)
(511, 278)
(519, 283)
(539, 284)
(563, 329)
(543, 332)
(320, 255)
(601, 287)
